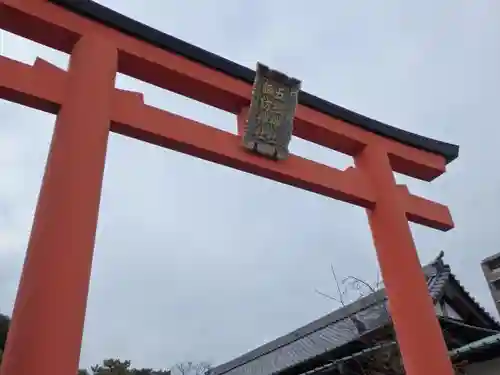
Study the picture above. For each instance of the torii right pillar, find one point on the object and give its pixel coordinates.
(418, 332)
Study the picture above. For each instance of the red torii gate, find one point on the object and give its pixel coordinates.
(47, 322)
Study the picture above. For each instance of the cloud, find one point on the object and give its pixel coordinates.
(197, 261)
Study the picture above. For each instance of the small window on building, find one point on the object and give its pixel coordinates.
(450, 312)
(496, 284)
(439, 309)
(494, 264)
(445, 310)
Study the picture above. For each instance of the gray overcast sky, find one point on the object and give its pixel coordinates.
(176, 275)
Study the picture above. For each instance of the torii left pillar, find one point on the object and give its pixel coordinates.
(47, 322)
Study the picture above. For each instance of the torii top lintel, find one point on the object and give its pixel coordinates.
(167, 42)
(154, 57)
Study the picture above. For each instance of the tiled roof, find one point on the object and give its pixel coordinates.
(322, 335)
(331, 331)
(489, 344)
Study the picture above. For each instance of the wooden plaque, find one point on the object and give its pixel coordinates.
(269, 125)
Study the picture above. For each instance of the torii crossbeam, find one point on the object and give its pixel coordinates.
(47, 322)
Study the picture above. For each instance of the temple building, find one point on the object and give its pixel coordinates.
(491, 270)
(359, 338)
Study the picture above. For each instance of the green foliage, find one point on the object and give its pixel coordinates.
(117, 367)
(4, 328)
(148, 371)
(114, 366)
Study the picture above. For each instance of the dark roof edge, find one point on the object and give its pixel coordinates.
(299, 333)
(115, 20)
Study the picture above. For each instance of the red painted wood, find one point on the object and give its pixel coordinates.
(47, 323)
(50, 306)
